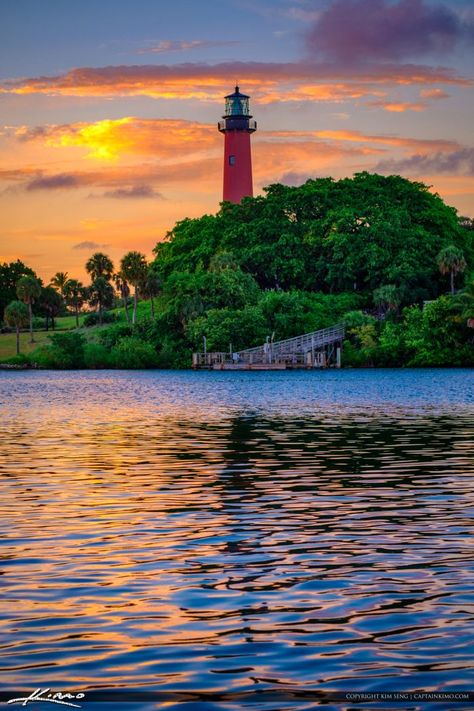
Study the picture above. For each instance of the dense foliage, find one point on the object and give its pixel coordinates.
(383, 254)
(10, 274)
(299, 259)
(355, 234)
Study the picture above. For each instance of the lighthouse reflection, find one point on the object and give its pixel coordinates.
(312, 520)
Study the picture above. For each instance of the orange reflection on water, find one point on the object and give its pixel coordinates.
(150, 538)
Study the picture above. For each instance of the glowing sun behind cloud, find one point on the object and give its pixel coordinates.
(104, 139)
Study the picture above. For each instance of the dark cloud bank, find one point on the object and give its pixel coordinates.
(455, 163)
(379, 30)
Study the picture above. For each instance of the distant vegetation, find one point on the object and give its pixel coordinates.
(381, 253)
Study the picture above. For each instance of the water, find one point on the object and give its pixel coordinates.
(236, 533)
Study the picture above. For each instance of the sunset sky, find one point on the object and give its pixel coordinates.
(108, 109)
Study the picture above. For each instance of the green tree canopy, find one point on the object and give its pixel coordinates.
(10, 273)
(330, 236)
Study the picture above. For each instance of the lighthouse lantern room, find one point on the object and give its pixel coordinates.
(237, 124)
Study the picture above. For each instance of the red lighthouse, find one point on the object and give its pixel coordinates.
(237, 125)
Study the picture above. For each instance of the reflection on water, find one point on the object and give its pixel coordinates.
(237, 532)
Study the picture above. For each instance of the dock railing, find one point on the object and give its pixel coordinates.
(313, 350)
(209, 360)
(293, 348)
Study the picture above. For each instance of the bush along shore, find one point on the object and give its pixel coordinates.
(382, 254)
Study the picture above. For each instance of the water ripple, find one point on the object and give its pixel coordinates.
(194, 532)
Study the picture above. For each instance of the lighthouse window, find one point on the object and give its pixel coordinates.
(231, 160)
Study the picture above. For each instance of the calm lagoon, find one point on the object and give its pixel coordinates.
(225, 532)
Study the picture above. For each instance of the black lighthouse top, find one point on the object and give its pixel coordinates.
(237, 115)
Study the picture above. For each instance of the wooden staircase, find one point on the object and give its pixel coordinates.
(318, 349)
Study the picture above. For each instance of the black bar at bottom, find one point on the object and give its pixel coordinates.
(79, 698)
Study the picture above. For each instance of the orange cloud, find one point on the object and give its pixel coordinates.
(126, 176)
(419, 144)
(319, 92)
(274, 152)
(307, 158)
(180, 157)
(398, 106)
(61, 181)
(209, 82)
(433, 94)
(108, 139)
(184, 153)
(178, 141)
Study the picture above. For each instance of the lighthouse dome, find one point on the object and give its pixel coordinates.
(237, 104)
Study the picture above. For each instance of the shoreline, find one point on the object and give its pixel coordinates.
(17, 367)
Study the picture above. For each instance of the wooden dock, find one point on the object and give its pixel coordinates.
(319, 349)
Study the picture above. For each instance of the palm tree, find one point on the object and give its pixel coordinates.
(74, 294)
(134, 268)
(59, 281)
(124, 291)
(101, 294)
(189, 307)
(100, 265)
(151, 287)
(16, 316)
(51, 304)
(463, 302)
(451, 261)
(28, 289)
(387, 297)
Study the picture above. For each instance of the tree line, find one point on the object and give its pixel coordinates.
(32, 298)
(384, 254)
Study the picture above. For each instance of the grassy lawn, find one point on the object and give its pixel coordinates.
(65, 323)
(8, 343)
(143, 311)
(8, 340)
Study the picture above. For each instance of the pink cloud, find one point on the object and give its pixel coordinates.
(280, 81)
